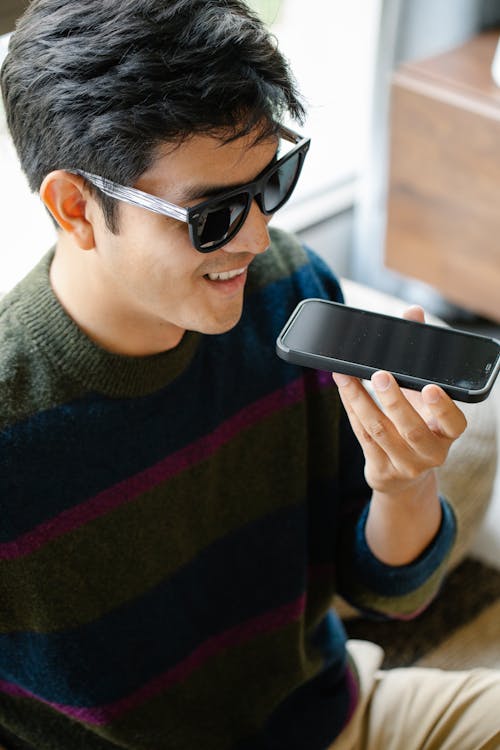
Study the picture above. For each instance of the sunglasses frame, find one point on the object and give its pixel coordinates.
(191, 216)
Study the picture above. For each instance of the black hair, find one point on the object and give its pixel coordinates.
(99, 85)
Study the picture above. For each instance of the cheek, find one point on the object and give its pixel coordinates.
(164, 259)
(152, 251)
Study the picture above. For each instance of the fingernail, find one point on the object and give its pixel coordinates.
(381, 381)
(431, 394)
(340, 379)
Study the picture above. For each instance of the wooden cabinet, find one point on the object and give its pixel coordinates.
(443, 224)
(10, 10)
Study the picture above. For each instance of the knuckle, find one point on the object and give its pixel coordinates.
(354, 393)
(416, 434)
(392, 402)
(376, 429)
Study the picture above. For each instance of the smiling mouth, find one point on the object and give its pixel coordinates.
(225, 275)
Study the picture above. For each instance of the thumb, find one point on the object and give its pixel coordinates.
(414, 312)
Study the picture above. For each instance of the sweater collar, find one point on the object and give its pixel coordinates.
(70, 351)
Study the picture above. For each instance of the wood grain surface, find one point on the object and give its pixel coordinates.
(443, 224)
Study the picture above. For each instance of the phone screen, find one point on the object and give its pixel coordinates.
(435, 354)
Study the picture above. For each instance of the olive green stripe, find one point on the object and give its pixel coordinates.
(47, 589)
(403, 605)
(163, 720)
(281, 655)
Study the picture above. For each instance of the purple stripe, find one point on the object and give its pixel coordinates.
(353, 691)
(128, 489)
(323, 379)
(410, 615)
(101, 715)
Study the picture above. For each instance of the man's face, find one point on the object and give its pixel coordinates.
(150, 269)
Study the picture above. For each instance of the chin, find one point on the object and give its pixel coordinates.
(215, 327)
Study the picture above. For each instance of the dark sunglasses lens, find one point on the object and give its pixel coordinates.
(280, 184)
(218, 223)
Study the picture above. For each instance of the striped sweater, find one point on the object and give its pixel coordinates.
(173, 529)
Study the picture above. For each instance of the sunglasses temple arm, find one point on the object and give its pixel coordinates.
(136, 197)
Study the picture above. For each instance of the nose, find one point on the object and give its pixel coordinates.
(253, 236)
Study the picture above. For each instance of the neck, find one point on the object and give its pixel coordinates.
(96, 305)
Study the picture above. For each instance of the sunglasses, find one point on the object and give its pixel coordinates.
(214, 222)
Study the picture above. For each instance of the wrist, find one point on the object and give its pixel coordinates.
(413, 497)
(400, 525)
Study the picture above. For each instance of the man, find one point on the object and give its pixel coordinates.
(178, 505)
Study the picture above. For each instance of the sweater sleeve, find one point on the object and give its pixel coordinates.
(398, 592)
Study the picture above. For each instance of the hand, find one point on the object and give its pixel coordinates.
(404, 438)
(408, 433)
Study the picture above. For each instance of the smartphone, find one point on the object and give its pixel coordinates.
(331, 336)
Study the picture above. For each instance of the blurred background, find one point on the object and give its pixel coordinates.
(344, 56)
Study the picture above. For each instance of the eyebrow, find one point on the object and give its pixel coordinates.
(196, 192)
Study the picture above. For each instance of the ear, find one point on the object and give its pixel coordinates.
(64, 196)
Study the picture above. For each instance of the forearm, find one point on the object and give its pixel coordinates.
(400, 526)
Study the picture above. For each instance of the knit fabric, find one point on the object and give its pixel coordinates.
(173, 529)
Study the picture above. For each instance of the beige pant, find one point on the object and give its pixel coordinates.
(421, 709)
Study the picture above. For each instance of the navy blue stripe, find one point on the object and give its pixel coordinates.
(257, 569)
(79, 448)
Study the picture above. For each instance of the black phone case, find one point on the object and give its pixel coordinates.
(329, 364)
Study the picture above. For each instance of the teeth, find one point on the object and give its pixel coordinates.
(225, 275)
